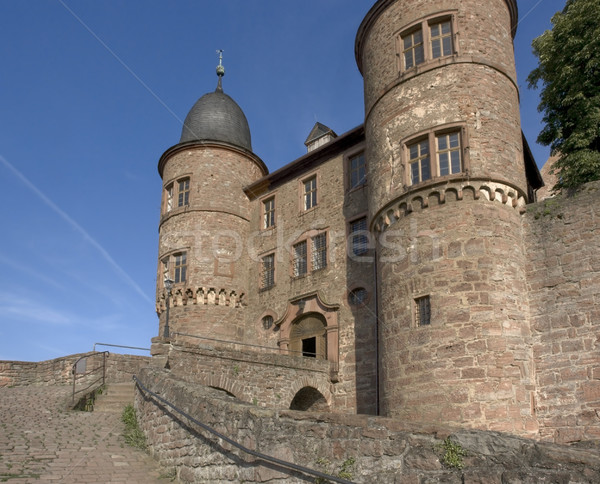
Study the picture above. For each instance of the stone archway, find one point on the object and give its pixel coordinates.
(317, 319)
(309, 399)
(308, 336)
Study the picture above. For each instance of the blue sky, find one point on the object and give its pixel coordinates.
(93, 92)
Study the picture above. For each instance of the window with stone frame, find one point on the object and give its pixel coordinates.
(267, 278)
(359, 237)
(269, 213)
(413, 50)
(429, 39)
(309, 198)
(419, 161)
(357, 168)
(447, 158)
(168, 204)
(183, 192)
(357, 296)
(300, 262)
(319, 251)
(179, 267)
(423, 311)
(174, 267)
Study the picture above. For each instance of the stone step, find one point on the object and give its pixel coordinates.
(115, 397)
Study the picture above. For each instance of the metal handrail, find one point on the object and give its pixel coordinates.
(259, 455)
(302, 353)
(120, 346)
(87, 373)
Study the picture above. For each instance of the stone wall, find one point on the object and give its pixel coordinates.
(58, 371)
(383, 450)
(266, 379)
(563, 281)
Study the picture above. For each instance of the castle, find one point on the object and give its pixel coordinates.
(395, 269)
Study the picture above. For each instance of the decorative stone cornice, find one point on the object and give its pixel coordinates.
(200, 296)
(447, 192)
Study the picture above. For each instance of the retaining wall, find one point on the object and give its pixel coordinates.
(382, 450)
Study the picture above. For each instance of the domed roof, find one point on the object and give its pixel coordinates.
(217, 117)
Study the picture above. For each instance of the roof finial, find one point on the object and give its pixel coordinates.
(220, 70)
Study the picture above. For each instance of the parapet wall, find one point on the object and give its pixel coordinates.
(267, 378)
(562, 237)
(368, 449)
(119, 368)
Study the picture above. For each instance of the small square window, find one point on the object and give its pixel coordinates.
(310, 193)
(300, 262)
(357, 297)
(422, 311)
(269, 213)
(358, 171)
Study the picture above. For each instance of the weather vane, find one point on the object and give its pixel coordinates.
(220, 68)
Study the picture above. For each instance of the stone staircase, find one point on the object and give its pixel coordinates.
(115, 397)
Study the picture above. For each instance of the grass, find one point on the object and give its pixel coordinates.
(133, 434)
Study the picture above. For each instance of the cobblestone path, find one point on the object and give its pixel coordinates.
(42, 442)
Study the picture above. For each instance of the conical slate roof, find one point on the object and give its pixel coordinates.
(217, 117)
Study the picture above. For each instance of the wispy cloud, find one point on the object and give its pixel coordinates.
(13, 265)
(29, 310)
(78, 228)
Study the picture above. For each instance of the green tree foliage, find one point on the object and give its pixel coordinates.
(569, 70)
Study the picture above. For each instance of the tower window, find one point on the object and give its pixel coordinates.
(422, 311)
(447, 153)
(319, 251)
(268, 271)
(425, 41)
(310, 192)
(169, 198)
(413, 50)
(420, 169)
(183, 192)
(174, 267)
(441, 39)
(359, 240)
(300, 261)
(180, 267)
(269, 213)
(358, 170)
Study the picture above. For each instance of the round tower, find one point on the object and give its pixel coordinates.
(447, 185)
(204, 221)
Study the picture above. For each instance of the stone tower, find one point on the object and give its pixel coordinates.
(447, 184)
(204, 220)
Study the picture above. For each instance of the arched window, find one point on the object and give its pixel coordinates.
(308, 337)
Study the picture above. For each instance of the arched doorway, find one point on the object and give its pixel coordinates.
(308, 336)
(309, 398)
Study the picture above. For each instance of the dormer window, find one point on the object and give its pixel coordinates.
(318, 136)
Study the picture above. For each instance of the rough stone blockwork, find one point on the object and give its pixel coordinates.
(563, 274)
(119, 368)
(384, 450)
